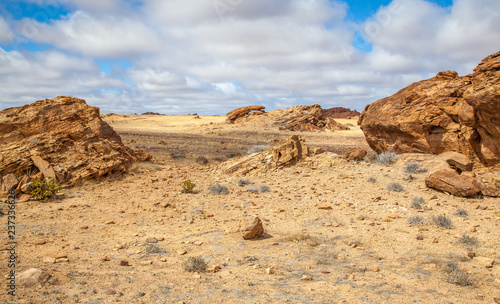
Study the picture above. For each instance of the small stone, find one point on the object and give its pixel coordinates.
(213, 268)
(335, 224)
(110, 292)
(50, 260)
(62, 260)
(393, 216)
(484, 261)
(325, 207)
(110, 222)
(181, 252)
(473, 229)
(160, 239)
(498, 214)
(306, 278)
(434, 240)
(252, 230)
(105, 259)
(32, 277)
(360, 218)
(163, 260)
(375, 269)
(325, 272)
(145, 263)
(124, 263)
(152, 240)
(198, 243)
(209, 215)
(340, 256)
(274, 244)
(84, 227)
(471, 254)
(420, 238)
(39, 242)
(328, 224)
(269, 270)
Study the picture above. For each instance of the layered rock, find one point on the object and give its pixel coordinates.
(444, 113)
(340, 112)
(448, 180)
(306, 118)
(63, 138)
(244, 111)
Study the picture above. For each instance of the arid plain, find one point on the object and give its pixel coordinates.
(334, 233)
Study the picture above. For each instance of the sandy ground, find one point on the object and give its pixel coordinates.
(350, 238)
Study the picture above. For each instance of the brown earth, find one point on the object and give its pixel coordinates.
(330, 236)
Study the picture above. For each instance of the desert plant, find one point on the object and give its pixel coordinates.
(264, 189)
(386, 158)
(218, 189)
(195, 264)
(442, 221)
(417, 221)
(468, 241)
(202, 160)
(462, 213)
(414, 168)
(178, 155)
(456, 275)
(372, 180)
(41, 188)
(219, 159)
(256, 149)
(256, 188)
(243, 182)
(396, 187)
(231, 155)
(188, 186)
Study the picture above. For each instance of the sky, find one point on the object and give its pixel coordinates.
(212, 56)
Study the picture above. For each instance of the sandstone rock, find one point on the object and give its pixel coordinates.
(44, 167)
(306, 278)
(24, 185)
(444, 113)
(32, 277)
(62, 132)
(243, 111)
(450, 181)
(10, 182)
(457, 161)
(306, 118)
(339, 112)
(332, 125)
(485, 262)
(252, 229)
(50, 260)
(355, 154)
(290, 151)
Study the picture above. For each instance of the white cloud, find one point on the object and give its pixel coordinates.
(4, 30)
(215, 55)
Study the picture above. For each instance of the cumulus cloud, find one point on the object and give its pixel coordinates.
(4, 30)
(215, 55)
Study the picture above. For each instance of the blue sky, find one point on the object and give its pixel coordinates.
(130, 56)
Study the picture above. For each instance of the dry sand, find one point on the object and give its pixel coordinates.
(358, 248)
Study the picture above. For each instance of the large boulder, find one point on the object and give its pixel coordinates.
(63, 138)
(306, 118)
(244, 111)
(448, 180)
(444, 113)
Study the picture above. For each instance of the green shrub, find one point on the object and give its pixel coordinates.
(42, 189)
(188, 186)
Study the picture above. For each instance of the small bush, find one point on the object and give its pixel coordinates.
(202, 160)
(231, 155)
(414, 168)
(442, 221)
(456, 275)
(178, 155)
(264, 189)
(219, 159)
(261, 189)
(396, 187)
(417, 202)
(243, 182)
(218, 189)
(195, 264)
(386, 158)
(372, 180)
(188, 186)
(41, 188)
(256, 149)
(417, 221)
(468, 241)
(461, 213)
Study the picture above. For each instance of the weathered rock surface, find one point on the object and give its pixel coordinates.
(33, 277)
(64, 138)
(253, 229)
(307, 118)
(340, 112)
(355, 154)
(243, 111)
(457, 161)
(288, 152)
(448, 180)
(444, 113)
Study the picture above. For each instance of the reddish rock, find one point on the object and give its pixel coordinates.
(242, 112)
(50, 133)
(340, 112)
(332, 125)
(355, 154)
(450, 181)
(9, 182)
(290, 151)
(253, 229)
(457, 161)
(444, 113)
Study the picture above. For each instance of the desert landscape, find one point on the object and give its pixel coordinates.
(298, 205)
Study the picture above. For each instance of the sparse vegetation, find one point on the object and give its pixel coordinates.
(386, 158)
(243, 182)
(42, 189)
(303, 237)
(413, 168)
(417, 202)
(178, 155)
(218, 189)
(462, 213)
(417, 221)
(456, 275)
(195, 264)
(202, 160)
(442, 221)
(256, 149)
(468, 241)
(396, 187)
(256, 188)
(264, 189)
(372, 180)
(188, 186)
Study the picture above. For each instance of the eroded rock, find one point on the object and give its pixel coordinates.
(448, 180)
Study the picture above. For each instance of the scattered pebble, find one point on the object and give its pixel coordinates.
(306, 278)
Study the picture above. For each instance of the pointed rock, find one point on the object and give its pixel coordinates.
(252, 230)
(44, 167)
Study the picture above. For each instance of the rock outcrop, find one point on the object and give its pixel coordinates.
(448, 180)
(307, 118)
(244, 111)
(444, 113)
(63, 138)
(340, 112)
(355, 154)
